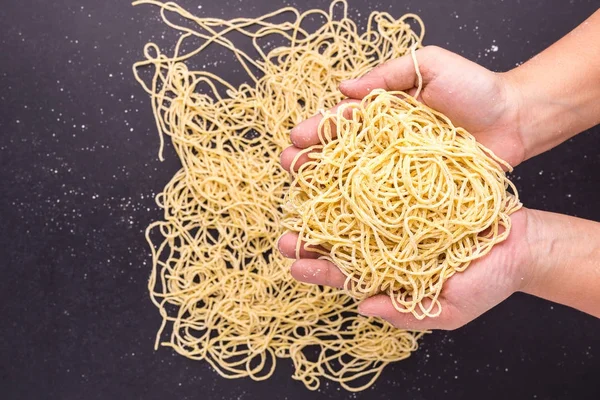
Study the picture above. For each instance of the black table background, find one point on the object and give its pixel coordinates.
(79, 169)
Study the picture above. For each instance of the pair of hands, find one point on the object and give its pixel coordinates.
(487, 106)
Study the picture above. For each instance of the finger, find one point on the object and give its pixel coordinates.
(287, 247)
(381, 306)
(288, 155)
(396, 74)
(318, 272)
(305, 133)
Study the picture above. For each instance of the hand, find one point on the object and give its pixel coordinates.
(466, 295)
(482, 102)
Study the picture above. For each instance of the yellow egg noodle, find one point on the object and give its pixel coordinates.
(223, 290)
(399, 199)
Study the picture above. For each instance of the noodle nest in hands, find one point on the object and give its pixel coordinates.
(399, 199)
(224, 292)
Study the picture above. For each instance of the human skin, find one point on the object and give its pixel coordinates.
(517, 114)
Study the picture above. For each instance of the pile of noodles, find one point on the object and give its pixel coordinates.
(399, 199)
(225, 294)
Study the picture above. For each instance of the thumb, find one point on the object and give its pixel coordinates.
(396, 74)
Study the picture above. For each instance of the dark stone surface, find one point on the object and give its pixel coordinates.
(78, 172)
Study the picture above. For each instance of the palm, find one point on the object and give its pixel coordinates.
(466, 295)
(487, 281)
(474, 98)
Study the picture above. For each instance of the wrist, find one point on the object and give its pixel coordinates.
(525, 265)
(518, 253)
(537, 242)
(563, 261)
(518, 107)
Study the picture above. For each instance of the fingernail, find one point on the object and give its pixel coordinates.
(279, 246)
(293, 137)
